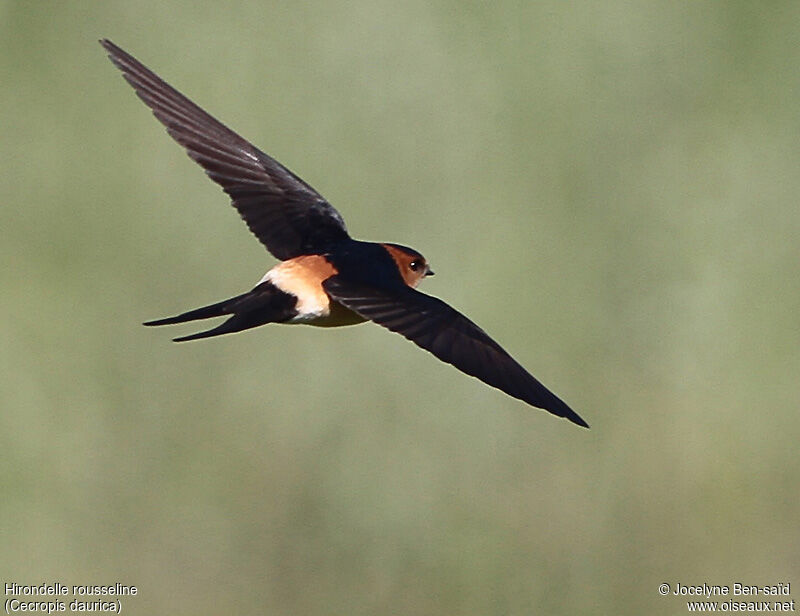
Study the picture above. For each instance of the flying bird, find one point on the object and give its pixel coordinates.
(325, 278)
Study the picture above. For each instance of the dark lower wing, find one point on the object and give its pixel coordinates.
(450, 336)
(286, 214)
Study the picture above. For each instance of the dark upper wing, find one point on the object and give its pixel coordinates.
(450, 336)
(286, 214)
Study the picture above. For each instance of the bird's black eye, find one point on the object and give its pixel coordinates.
(415, 265)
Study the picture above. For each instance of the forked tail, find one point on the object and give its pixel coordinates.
(264, 304)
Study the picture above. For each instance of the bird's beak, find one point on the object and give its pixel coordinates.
(429, 272)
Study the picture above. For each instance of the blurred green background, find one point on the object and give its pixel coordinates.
(609, 189)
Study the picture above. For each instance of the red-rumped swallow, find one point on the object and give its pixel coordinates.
(324, 278)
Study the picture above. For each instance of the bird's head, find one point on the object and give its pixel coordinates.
(413, 267)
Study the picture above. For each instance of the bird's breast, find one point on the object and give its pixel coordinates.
(302, 277)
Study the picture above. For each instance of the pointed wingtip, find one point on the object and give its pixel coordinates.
(578, 420)
(557, 406)
(567, 413)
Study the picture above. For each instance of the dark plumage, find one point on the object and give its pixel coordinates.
(325, 277)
